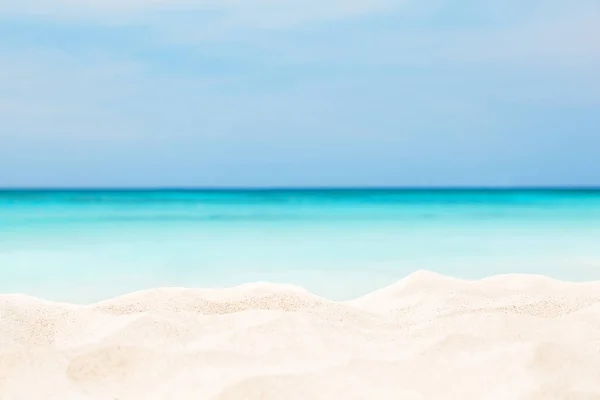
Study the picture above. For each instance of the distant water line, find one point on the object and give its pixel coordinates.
(85, 245)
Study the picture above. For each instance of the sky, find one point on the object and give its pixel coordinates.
(267, 93)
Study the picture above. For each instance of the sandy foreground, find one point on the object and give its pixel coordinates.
(427, 337)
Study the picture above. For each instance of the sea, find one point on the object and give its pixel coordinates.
(84, 246)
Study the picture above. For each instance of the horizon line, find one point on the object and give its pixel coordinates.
(287, 188)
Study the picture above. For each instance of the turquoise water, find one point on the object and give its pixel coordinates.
(85, 246)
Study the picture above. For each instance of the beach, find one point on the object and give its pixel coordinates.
(299, 200)
(427, 336)
(372, 294)
(85, 246)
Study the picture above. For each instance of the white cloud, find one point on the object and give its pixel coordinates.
(244, 13)
(56, 93)
(566, 39)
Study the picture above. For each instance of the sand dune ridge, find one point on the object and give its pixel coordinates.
(426, 337)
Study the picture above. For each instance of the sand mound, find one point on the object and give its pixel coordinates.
(226, 301)
(426, 337)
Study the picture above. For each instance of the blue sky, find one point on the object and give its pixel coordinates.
(299, 93)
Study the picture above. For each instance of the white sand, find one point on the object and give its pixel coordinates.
(427, 337)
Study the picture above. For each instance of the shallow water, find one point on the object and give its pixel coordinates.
(85, 246)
